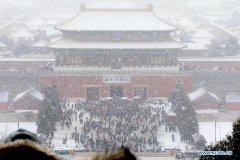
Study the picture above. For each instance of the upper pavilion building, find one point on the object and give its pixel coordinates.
(116, 51)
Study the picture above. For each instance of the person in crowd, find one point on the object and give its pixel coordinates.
(106, 124)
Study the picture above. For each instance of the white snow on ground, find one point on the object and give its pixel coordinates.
(211, 111)
(207, 129)
(166, 138)
(163, 137)
(8, 127)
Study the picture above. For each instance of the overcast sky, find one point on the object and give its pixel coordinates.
(200, 2)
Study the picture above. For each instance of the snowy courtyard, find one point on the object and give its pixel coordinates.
(207, 129)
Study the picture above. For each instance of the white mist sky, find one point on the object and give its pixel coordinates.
(162, 2)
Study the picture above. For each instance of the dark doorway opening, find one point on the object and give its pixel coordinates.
(116, 91)
(92, 94)
(140, 92)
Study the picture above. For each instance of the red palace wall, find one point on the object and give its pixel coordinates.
(75, 86)
(204, 106)
(3, 106)
(26, 103)
(232, 106)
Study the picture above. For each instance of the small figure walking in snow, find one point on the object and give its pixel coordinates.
(173, 137)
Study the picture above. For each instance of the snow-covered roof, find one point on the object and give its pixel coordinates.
(16, 59)
(53, 22)
(194, 4)
(3, 97)
(232, 97)
(199, 93)
(209, 59)
(56, 14)
(74, 44)
(35, 23)
(195, 46)
(111, 4)
(203, 40)
(228, 33)
(45, 43)
(2, 45)
(50, 31)
(32, 92)
(41, 43)
(203, 34)
(116, 20)
(196, 94)
(198, 138)
(21, 34)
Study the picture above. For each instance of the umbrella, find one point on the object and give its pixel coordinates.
(136, 97)
(198, 138)
(42, 137)
(108, 98)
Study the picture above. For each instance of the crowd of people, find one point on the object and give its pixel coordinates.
(106, 125)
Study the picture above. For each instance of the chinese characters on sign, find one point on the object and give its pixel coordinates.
(116, 79)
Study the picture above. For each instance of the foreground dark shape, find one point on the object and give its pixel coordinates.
(24, 145)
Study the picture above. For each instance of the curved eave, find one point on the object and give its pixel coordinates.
(108, 30)
(116, 20)
(73, 44)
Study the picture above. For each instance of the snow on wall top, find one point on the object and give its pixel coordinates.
(31, 92)
(3, 97)
(116, 20)
(74, 44)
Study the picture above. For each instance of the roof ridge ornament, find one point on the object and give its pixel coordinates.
(150, 6)
(82, 7)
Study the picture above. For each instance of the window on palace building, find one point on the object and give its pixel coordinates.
(61, 60)
(140, 92)
(156, 60)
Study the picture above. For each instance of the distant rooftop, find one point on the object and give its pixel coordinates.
(32, 92)
(2, 45)
(120, 16)
(4, 96)
(113, 4)
(201, 92)
(21, 34)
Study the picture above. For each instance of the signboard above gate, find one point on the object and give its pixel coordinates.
(116, 79)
